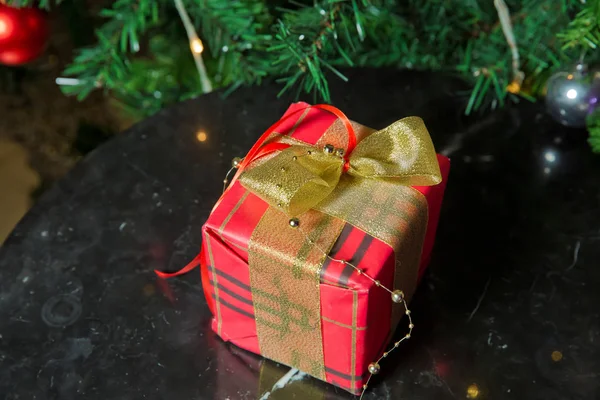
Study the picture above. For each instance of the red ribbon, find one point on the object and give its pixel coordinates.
(259, 149)
(197, 261)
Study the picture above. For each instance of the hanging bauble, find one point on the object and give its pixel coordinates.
(572, 95)
(23, 34)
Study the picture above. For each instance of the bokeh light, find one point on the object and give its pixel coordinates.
(201, 136)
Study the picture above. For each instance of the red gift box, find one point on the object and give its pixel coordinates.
(354, 325)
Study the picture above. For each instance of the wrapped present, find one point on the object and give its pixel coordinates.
(316, 245)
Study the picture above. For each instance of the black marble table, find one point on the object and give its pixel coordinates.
(509, 308)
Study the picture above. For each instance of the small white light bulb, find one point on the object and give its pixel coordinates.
(197, 46)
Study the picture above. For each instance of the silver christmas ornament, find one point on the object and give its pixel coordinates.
(571, 96)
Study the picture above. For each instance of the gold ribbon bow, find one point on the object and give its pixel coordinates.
(300, 177)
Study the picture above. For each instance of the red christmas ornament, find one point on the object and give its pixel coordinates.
(23, 34)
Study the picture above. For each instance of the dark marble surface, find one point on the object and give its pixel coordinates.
(510, 303)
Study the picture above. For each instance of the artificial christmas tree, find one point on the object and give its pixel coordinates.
(506, 49)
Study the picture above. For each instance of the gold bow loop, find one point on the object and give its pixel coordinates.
(300, 177)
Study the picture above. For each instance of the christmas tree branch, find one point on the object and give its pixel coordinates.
(306, 38)
(107, 64)
(195, 45)
(584, 29)
(44, 4)
(593, 126)
(298, 43)
(237, 33)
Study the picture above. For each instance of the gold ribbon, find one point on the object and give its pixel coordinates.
(370, 189)
(299, 178)
(284, 278)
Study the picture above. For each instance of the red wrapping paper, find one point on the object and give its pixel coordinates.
(355, 318)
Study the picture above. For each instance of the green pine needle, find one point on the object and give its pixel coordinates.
(593, 126)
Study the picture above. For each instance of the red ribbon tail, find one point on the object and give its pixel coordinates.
(197, 261)
(191, 265)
